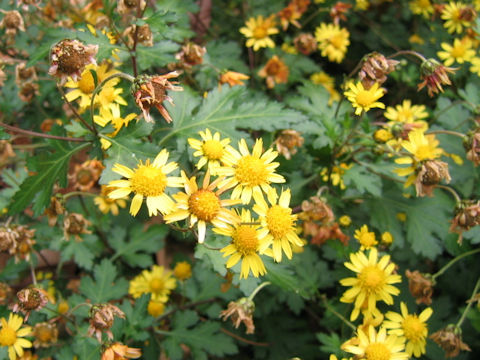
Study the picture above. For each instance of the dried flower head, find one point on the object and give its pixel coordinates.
(24, 74)
(275, 71)
(8, 239)
(240, 311)
(305, 43)
(30, 299)
(12, 22)
(54, 209)
(316, 209)
(28, 91)
(233, 78)
(143, 33)
(75, 224)
(287, 143)
(17, 240)
(375, 69)
(118, 351)
(86, 175)
(467, 215)
(430, 175)
(190, 55)
(151, 91)
(338, 11)
(434, 75)
(471, 143)
(45, 334)
(289, 15)
(450, 340)
(321, 233)
(101, 319)
(420, 286)
(6, 152)
(69, 58)
(5, 293)
(130, 7)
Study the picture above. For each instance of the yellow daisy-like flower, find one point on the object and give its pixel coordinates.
(373, 281)
(109, 97)
(249, 173)
(422, 7)
(147, 180)
(12, 333)
(211, 150)
(363, 99)
(387, 238)
(336, 174)
(182, 270)
(155, 308)
(365, 238)
(113, 115)
(332, 41)
(376, 346)
(203, 205)
(105, 204)
(158, 282)
(475, 68)
(258, 32)
(460, 52)
(412, 327)
(454, 21)
(344, 220)
(406, 112)
(245, 246)
(278, 224)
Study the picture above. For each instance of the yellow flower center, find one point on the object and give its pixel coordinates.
(86, 84)
(8, 336)
(372, 278)
(337, 41)
(279, 221)
(424, 4)
(367, 239)
(148, 180)
(364, 98)
(251, 171)
(212, 149)
(413, 328)
(156, 285)
(458, 51)
(204, 204)
(423, 152)
(377, 351)
(405, 115)
(245, 240)
(260, 32)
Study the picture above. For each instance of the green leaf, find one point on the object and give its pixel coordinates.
(80, 252)
(137, 319)
(212, 257)
(330, 343)
(161, 54)
(364, 181)
(50, 167)
(86, 348)
(4, 135)
(105, 287)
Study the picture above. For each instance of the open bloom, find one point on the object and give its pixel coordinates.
(459, 52)
(365, 238)
(147, 180)
(211, 150)
(363, 99)
(11, 335)
(332, 41)
(157, 281)
(421, 7)
(457, 16)
(258, 31)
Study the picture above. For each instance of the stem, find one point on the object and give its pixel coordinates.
(211, 247)
(32, 271)
(448, 132)
(78, 193)
(257, 290)
(37, 134)
(451, 191)
(469, 305)
(408, 52)
(75, 112)
(336, 313)
(453, 261)
(243, 339)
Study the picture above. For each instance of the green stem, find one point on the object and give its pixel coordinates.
(408, 52)
(451, 191)
(448, 132)
(453, 261)
(336, 313)
(257, 290)
(469, 305)
(78, 193)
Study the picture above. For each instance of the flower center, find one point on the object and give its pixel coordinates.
(156, 285)
(423, 152)
(204, 204)
(377, 351)
(212, 149)
(86, 84)
(337, 41)
(8, 336)
(458, 51)
(424, 4)
(367, 239)
(279, 221)
(414, 329)
(372, 278)
(43, 334)
(405, 115)
(251, 171)
(148, 180)
(245, 240)
(364, 98)
(260, 32)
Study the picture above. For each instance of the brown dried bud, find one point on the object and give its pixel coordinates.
(240, 311)
(86, 175)
(30, 299)
(144, 35)
(46, 334)
(338, 11)
(8, 239)
(125, 7)
(6, 151)
(420, 286)
(471, 143)
(301, 5)
(28, 91)
(467, 13)
(375, 69)
(316, 209)
(305, 43)
(287, 142)
(467, 215)
(430, 175)
(24, 74)
(450, 340)
(12, 22)
(190, 55)
(101, 319)
(54, 209)
(75, 224)
(275, 71)
(25, 243)
(5, 293)
(434, 75)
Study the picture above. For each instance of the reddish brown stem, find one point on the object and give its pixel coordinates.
(37, 134)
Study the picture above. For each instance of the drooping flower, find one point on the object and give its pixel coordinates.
(30, 299)
(258, 31)
(158, 281)
(434, 75)
(233, 78)
(12, 22)
(149, 181)
(459, 52)
(454, 14)
(45, 333)
(12, 334)
(101, 320)
(118, 351)
(450, 340)
(190, 55)
(375, 68)
(429, 175)
(106, 205)
(332, 41)
(75, 224)
(420, 286)
(142, 34)
(365, 238)
(275, 71)
(362, 99)
(287, 143)
(240, 311)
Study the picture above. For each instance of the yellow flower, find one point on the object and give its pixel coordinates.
(245, 245)
(278, 224)
(332, 41)
(109, 97)
(211, 150)
(289, 49)
(460, 52)
(376, 346)
(416, 39)
(387, 238)
(148, 181)
(406, 113)
(345, 220)
(475, 68)
(322, 78)
(155, 308)
(422, 7)
(336, 174)
(453, 15)
(412, 327)
(158, 282)
(382, 135)
(112, 114)
(11, 335)
(363, 99)
(182, 270)
(105, 204)
(258, 32)
(249, 173)
(373, 281)
(365, 238)
(362, 4)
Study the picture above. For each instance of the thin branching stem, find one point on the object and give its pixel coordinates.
(469, 305)
(453, 261)
(37, 134)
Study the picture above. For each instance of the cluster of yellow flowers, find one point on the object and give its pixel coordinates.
(248, 174)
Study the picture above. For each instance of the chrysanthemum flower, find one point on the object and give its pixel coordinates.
(422, 7)
(182, 270)
(377, 346)
(258, 32)
(434, 75)
(113, 115)
(373, 281)
(158, 282)
(406, 112)
(245, 245)
(363, 99)
(460, 52)
(203, 206)
(387, 238)
(452, 13)
(147, 180)
(250, 173)
(212, 150)
(275, 71)
(365, 238)
(332, 41)
(105, 204)
(11, 335)
(412, 327)
(278, 224)
(289, 15)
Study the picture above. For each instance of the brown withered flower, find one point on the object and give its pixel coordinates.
(316, 209)
(190, 55)
(338, 11)
(321, 233)
(8, 239)
(24, 242)
(240, 311)
(12, 22)
(45, 334)
(289, 15)
(450, 340)
(375, 69)
(127, 7)
(305, 43)
(420, 286)
(467, 215)
(5, 293)
(30, 299)
(151, 91)
(301, 5)
(275, 71)
(434, 75)
(24, 74)
(3, 76)
(69, 58)
(6, 152)
(287, 143)
(28, 91)
(86, 175)
(430, 175)
(233, 78)
(75, 224)
(118, 351)
(471, 143)
(53, 210)
(101, 320)
(144, 35)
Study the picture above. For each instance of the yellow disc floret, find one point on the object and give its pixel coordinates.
(279, 221)
(251, 171)
(8, 336)
(414, 328)
(377, 351)
(204, 204)
(245, 240)
(372, 278)
(156, 285)
(213, 149)
(148, 180)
